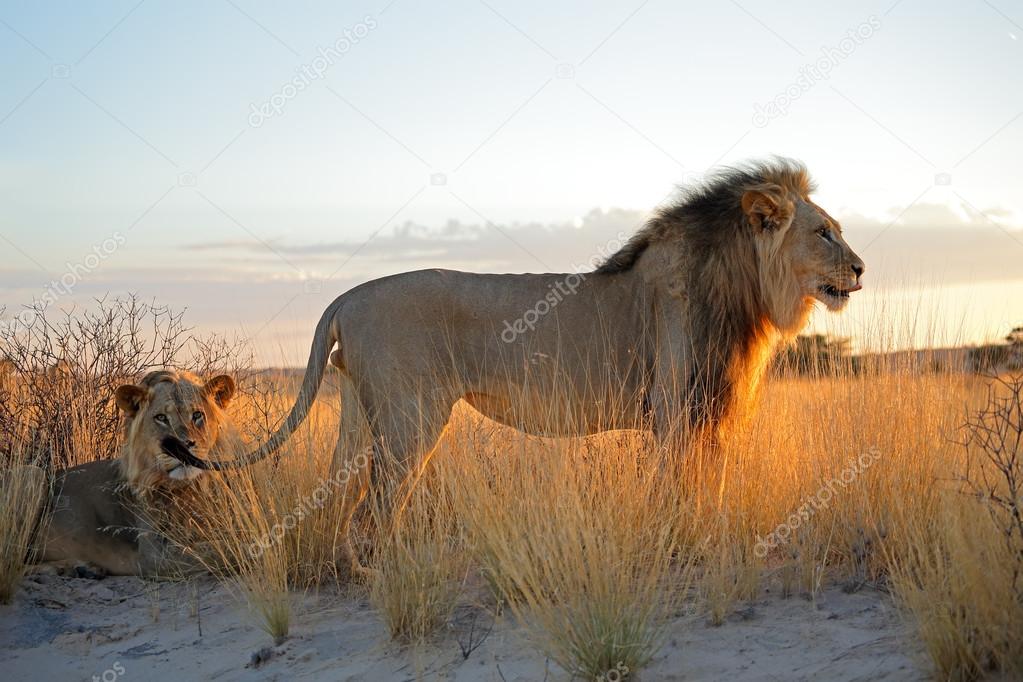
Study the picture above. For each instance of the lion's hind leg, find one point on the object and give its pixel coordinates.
(404, 427)
(350, 472)
(353, 475)
(404, 440)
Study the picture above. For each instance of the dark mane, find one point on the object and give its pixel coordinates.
(709, 205)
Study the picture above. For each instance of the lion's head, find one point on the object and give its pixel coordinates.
(800, 247)
(750, 244)
(171, 403)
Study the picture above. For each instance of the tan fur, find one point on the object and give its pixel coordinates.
(106, 514)
(672, 333)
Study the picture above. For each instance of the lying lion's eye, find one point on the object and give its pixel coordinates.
(198, 416)
(161, 419)
(823, 232)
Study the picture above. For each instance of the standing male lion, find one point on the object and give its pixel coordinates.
(669, 334)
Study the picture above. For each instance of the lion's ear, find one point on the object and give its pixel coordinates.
(767, 207)
(221, 388)
(129, 398)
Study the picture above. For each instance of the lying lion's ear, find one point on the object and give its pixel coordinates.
(221, 388)
(129, 398)
(766, 207)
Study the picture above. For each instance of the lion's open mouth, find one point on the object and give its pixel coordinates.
(835, 292)
(835, 297)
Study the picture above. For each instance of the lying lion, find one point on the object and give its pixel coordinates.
(670, 334)
(102, 516)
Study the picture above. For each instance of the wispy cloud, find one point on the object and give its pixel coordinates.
(927, 241)
(473, 246)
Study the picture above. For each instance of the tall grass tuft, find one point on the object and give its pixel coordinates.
(23, 491)
(236, 541)
(419, 566)
(277, 526)
(579, 542)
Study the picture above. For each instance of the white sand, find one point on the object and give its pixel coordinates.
(126, 629)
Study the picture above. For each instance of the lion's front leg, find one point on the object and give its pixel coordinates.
(686, 440)
(669, 420)
(681, 429)
(159, 557)
(71, 568)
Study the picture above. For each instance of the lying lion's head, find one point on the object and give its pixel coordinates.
(171, 403)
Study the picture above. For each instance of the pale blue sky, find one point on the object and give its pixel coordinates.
(135, 117)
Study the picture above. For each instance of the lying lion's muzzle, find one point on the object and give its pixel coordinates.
(175, 448)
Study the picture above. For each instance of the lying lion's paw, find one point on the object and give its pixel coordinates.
(89, 572)
(185, 473)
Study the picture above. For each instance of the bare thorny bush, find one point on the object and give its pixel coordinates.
(994, 465)
(58, 373)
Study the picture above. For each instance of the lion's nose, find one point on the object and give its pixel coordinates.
(857, 269)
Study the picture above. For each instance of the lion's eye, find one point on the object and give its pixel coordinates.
(161, 419)
(824, 233)
(197, 417)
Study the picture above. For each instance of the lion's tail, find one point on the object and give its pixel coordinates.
(323, 341)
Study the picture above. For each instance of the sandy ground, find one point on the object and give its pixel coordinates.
(125, 629)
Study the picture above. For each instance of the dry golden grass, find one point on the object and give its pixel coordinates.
(956, 579)
(594, 544)
(959, 568)
(731, 569)
(578, 538)
(23, 488)
(420, 567)
(275, 527)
